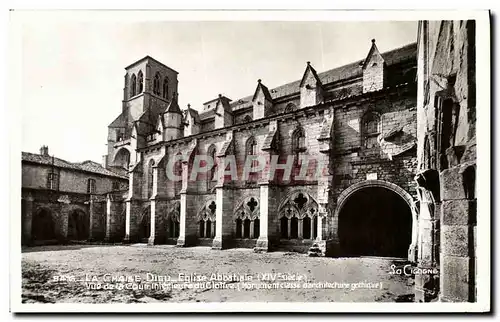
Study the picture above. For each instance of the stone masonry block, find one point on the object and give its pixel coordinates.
(455, 240)
(458, 212)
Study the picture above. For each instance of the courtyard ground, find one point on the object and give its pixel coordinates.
(57, 274)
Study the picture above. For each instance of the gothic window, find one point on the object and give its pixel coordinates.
(140, 82)
(212, 173)
(370, 129)
(91, 186)
(239, 232)
(284, 227)
(52, 181)
(206, 221)
(251, 151)
(165, 88)
(298, 217)
(290, 107)
(156, 84)
(150, 177)
(247, 219)
(298, 141)
(133, 85)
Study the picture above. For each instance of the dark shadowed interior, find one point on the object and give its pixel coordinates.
(375, 222)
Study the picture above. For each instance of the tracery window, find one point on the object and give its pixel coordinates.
(246, 218)
(133, 85)
(298, 217)
(156, 84)
(140, 82)
(206, 220)
(165, 88)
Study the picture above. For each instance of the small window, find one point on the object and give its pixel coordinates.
(156, 84)
(133, 84)
(299, 141)
(140, 82)
(165, 88)
(91, 186)
(52, 181)
(370, 129)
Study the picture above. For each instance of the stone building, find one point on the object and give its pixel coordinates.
(64, 201)
(446, 175)
(358, 121)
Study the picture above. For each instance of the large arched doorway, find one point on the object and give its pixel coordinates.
(42, 225)
(78, 225)
(375, 221)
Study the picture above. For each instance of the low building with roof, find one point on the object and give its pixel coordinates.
(67, 201)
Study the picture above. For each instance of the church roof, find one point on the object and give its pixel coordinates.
(120, 121)
(87, 166)
(344, 72)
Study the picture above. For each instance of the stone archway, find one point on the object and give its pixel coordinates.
(78, 225)
(376, 218)
(42, 225)
(122, 158)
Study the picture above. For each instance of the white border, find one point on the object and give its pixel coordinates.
(483, 153)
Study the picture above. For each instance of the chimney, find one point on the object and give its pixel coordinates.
(44, 150)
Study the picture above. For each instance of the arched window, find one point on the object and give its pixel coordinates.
(239, 231)
(370, 129)
(91, 186)
(165, 88)
(156, 84)
(299, 141)
(133, 85)
(256, 228)
(251, 151)
(140, 82)
(150, 178)
(290, 107)
(284, 227)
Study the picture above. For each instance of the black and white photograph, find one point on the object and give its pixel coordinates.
(203, 161)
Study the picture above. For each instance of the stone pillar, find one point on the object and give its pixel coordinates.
(300, 227)
(133, 208)
(269, 221)
(458, 234)
(251, 229)
(312, 229)
(242, 229)
(427, 285)
(27, 219)
(158, 232)
(61, 226)
(188, 223)
(107, 235)
(224, 217)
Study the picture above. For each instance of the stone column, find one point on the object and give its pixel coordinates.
(427, 285)
(188, 223)
(300, 228)
(251, 229)
(242, 229)
(157, 204)
(312, 229)
(224, 221)
(458, 234)
(269, 221)
(289, 230)
(133, 206)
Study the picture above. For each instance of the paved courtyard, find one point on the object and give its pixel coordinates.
(110, 274)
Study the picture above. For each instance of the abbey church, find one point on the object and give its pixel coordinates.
(373, 158)
(359, 119)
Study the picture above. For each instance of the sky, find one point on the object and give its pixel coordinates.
(72, 74)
